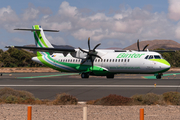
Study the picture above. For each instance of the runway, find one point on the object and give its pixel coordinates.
(47, 85)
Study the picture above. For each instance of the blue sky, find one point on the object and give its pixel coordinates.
(115, 23)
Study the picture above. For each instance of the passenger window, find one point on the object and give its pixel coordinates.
(110, 60)
(98, 60)
(128, 60)
(104, 60)
(157, 57)
(107, 60)
(147, 57)
(125, 60)
(113, 60)
(119, 60)
(73, 60)
(116, 60)
(151, 57)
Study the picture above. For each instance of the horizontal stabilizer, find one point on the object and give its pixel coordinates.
(36, 30)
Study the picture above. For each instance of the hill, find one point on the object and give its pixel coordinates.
(154, 44)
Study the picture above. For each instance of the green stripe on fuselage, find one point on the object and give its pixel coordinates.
(37, 40)
(161, 61)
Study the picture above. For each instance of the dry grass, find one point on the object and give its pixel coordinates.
(65, 99)
(172, 98)
(11, 96)
(111, 100)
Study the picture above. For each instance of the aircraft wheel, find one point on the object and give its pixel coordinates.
(158, 77)
(84, 75)
(110, 76)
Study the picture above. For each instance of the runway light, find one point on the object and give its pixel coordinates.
(154, 84)
(174, 76)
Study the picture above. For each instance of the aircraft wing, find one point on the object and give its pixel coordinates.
(162, 51)
(159, 51)
(43, 49)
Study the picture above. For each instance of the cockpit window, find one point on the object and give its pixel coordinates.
(157, 57)
(151, 57)
(147, 57)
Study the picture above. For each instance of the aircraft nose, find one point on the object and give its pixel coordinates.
(166, 65)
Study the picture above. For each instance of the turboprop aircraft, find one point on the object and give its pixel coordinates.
(97, 62)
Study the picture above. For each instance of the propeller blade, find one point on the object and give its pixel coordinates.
(91, 62)
(145, 47)
(96, 56)
(96, 47)
(89, 43)
(138, 45)
(83, 50)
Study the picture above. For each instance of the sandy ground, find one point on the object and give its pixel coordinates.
(75, 112)
(45, 69)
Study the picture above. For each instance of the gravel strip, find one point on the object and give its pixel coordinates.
(75, 112)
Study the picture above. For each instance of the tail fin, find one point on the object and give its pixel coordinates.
(41, 40)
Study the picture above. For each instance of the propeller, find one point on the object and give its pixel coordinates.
(144, 46)
(90, 53)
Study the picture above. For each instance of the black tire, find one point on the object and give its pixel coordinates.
(84, 75)
(110, 76)
(158, 77)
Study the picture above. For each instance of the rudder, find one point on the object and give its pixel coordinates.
(41, 40)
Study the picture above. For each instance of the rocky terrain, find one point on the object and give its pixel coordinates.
(154, 44)
(75, 112)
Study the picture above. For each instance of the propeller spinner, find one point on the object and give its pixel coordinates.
(90, 53)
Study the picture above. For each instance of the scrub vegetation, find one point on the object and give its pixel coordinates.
(17, 58)
(12, 96)
(168, 98)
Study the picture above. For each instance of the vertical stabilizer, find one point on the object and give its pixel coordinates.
(41, 40)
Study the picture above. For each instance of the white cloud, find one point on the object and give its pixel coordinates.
(174, 9)
(7, 15)
(67, 10)
(124, 26)
(30, 14)
(56, 40)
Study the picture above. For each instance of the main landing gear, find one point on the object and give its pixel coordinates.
(110, 76)
(159, 76)
(85, 75)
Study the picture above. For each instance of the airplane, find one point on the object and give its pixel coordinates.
(97, 62)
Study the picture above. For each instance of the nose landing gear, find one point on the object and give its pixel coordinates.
(158, 76)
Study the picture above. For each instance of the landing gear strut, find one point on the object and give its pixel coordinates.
(159, 76)
(110, 76)
(85, 75)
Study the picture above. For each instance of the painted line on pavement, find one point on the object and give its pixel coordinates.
(154, 77)
(168, 86)
(47, 76)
